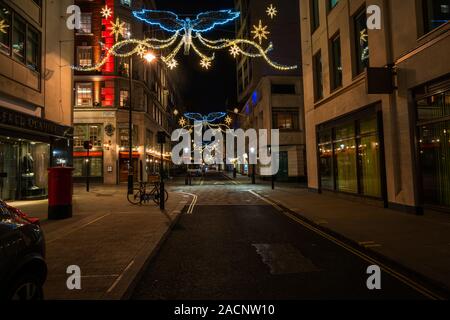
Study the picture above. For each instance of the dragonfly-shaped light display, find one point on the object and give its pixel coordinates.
(183, 33)
(170, 22)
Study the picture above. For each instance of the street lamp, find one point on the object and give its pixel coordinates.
(149, 57)
(252, 151)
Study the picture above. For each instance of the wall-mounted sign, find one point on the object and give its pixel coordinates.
(24, 121)
(109, 130)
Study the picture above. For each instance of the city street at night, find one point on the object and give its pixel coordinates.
(225, 159)
(236, 246)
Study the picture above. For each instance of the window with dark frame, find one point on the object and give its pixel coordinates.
(436, 13)
(84, 56)
(21, 40)
(84, 95)
(361, 41)
(336, 62)
(5, 37)
(86, 23)
(318, 78)
(332, 4)
(286, 120)
(18, 38)
(315, 15)
(33, 47)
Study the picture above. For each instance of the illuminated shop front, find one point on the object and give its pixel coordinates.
(28, 147)
(433, 136)
(351, 155)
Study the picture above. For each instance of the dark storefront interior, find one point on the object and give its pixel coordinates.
(433, 129)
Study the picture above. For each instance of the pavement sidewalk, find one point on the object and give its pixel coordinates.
(418, 243)
(109, 239)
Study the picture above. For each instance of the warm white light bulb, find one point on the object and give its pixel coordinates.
(150, 57)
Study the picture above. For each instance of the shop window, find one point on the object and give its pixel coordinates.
(84, 56)
(369, 156)
(84, 95)
(434, 146)
(436, 13)
(326, 160)
(81, 164)
(96, 135)
(18, 38)
(361, 42)
(336, 63)
(5, 37)
(79, 136)
(25, 165)
(345, 158)
(350, 158)
(88, 132)
(434, 107)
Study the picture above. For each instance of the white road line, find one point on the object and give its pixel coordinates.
(399, 276)
(193, 203)
(120, 277)
(266, 200)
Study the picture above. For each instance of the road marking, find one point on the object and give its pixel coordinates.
(266, 200)
(79, 228)
(193, 202)
(230, 179)
(409, 282)
(120, 277)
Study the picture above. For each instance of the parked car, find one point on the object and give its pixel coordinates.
(23, 270)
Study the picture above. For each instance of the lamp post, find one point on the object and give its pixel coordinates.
(149, 57)
(252, 151)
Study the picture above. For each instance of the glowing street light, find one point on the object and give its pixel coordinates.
(149, 57)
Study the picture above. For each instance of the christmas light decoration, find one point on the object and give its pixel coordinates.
(205, 63)
(172, 64)
(106, 12)
(117, 28)
(272, 11)
(235, 51)
(228, 120)
(141, 51)
(260, 32)
(187, 33)
(3, 26)
(182, 122)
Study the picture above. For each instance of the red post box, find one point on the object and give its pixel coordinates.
(60, 190)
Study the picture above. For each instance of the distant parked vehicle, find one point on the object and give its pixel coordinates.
(23, 270)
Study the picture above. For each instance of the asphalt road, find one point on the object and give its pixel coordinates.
(236, 246)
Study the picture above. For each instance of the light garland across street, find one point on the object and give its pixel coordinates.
(187, 33)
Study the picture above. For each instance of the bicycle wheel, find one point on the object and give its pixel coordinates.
(135, 197)
(157, 197)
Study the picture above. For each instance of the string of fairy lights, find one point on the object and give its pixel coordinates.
(186, 33)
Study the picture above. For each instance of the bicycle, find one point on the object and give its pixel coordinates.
(140, 194)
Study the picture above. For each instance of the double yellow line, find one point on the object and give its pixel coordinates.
(404, 279)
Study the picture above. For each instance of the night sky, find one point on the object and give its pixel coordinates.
(203, 90)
